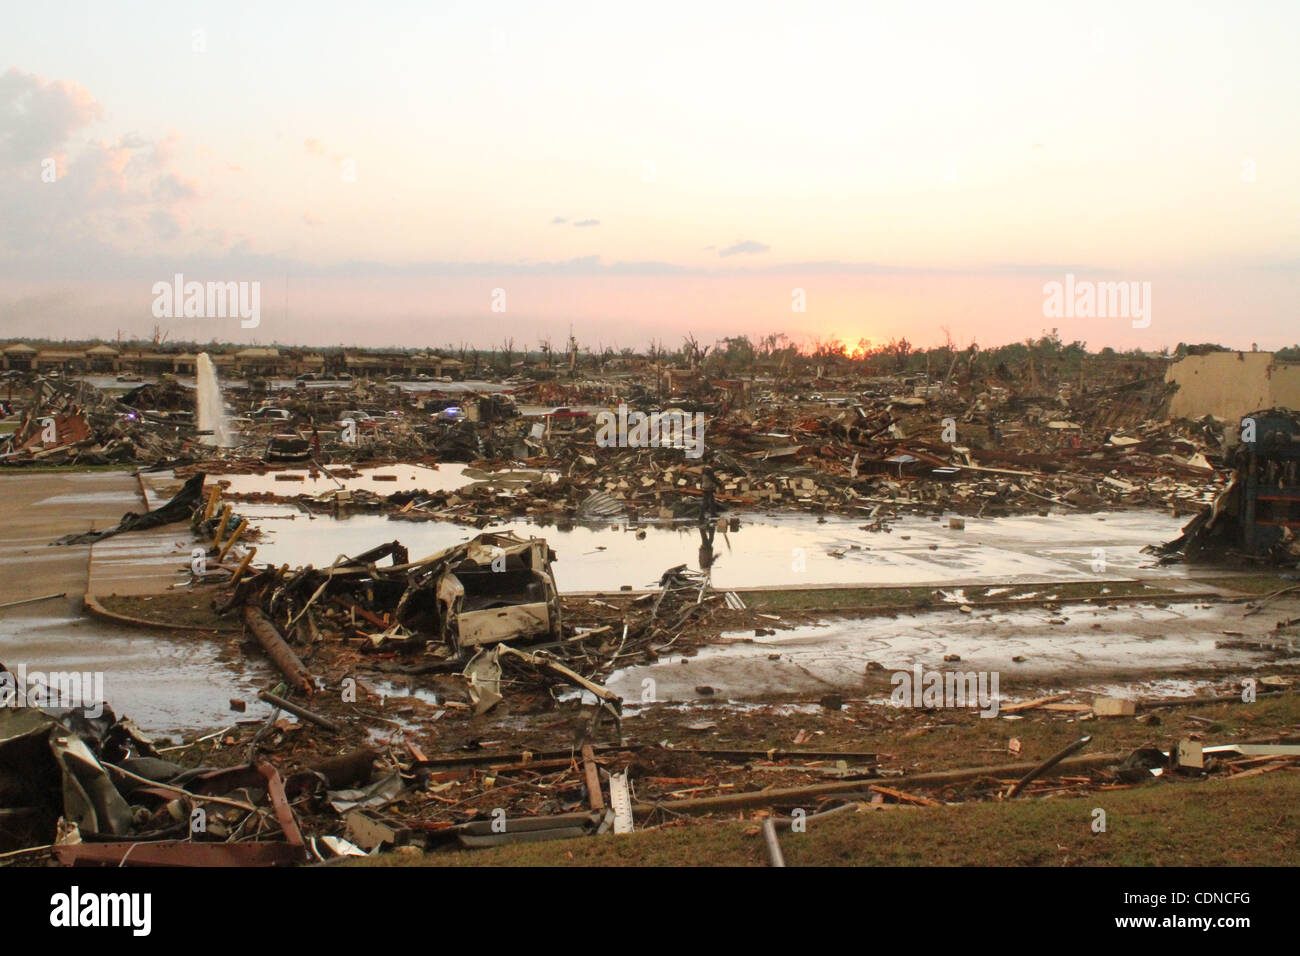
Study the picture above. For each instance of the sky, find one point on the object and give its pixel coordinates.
(430, 173)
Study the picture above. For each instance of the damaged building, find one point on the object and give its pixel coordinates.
(1257, 515)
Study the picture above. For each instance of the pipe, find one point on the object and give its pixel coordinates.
(774, 855)
(276, 648)
(1048, 764)
(299, 711)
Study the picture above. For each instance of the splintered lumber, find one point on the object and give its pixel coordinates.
(299, 711)
(593, 779)
(211, 506)
(1030, 704)
(1276, 763)
(243, 565)
(230, 542)
(276, 648)
(541, 660)
(222, 520)
(902, 797)
(773, 796)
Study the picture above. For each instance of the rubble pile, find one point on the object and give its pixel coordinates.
(73, 423)
(82, 786)
(1253, 518)
(1009, 443)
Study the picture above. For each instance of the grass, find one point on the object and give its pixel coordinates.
(68, 469)
(176, 608)
(962, 739)
(1253, 583)
(918, 741)
(1216, 822)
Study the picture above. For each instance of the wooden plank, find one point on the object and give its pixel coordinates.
(902, 797)
(416, 752)
(593, 778)
(1030, 704)
(1276, 765)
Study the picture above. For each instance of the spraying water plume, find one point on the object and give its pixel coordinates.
(212, 411)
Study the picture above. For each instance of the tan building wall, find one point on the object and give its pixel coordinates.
(1227, 385)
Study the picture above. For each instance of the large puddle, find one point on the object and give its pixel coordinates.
(169, 684)
(165, 685)
(769, 550)
(382, 480)
(1093, 643)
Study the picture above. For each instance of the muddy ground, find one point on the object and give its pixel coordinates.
(807, 673)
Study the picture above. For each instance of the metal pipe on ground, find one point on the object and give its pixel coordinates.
(762, 798)
(46, 597)
(774, 854)
(276, 648)
(299, 711)
(1048, 764)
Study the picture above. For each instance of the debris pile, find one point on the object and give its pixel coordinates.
(1256, 516)
(92, 789)
(904, 443)
(72, 423)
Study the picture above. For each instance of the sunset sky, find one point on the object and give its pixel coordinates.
(642, 171)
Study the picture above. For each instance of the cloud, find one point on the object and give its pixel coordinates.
(108, 198)
(558, 220)
(587, 222)
(38, 116)
(748, 247)
(165, 224)
(95, 260)
(318, 147)
(171, 188)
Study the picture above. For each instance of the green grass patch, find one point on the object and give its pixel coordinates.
(176, 608)
(1251, 583)
(1216, 822)
(66, 469)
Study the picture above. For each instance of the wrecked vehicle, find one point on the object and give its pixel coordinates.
(494, 588)
(502, 589)
(287, 447)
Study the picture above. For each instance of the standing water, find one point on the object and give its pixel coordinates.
(212, 411)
